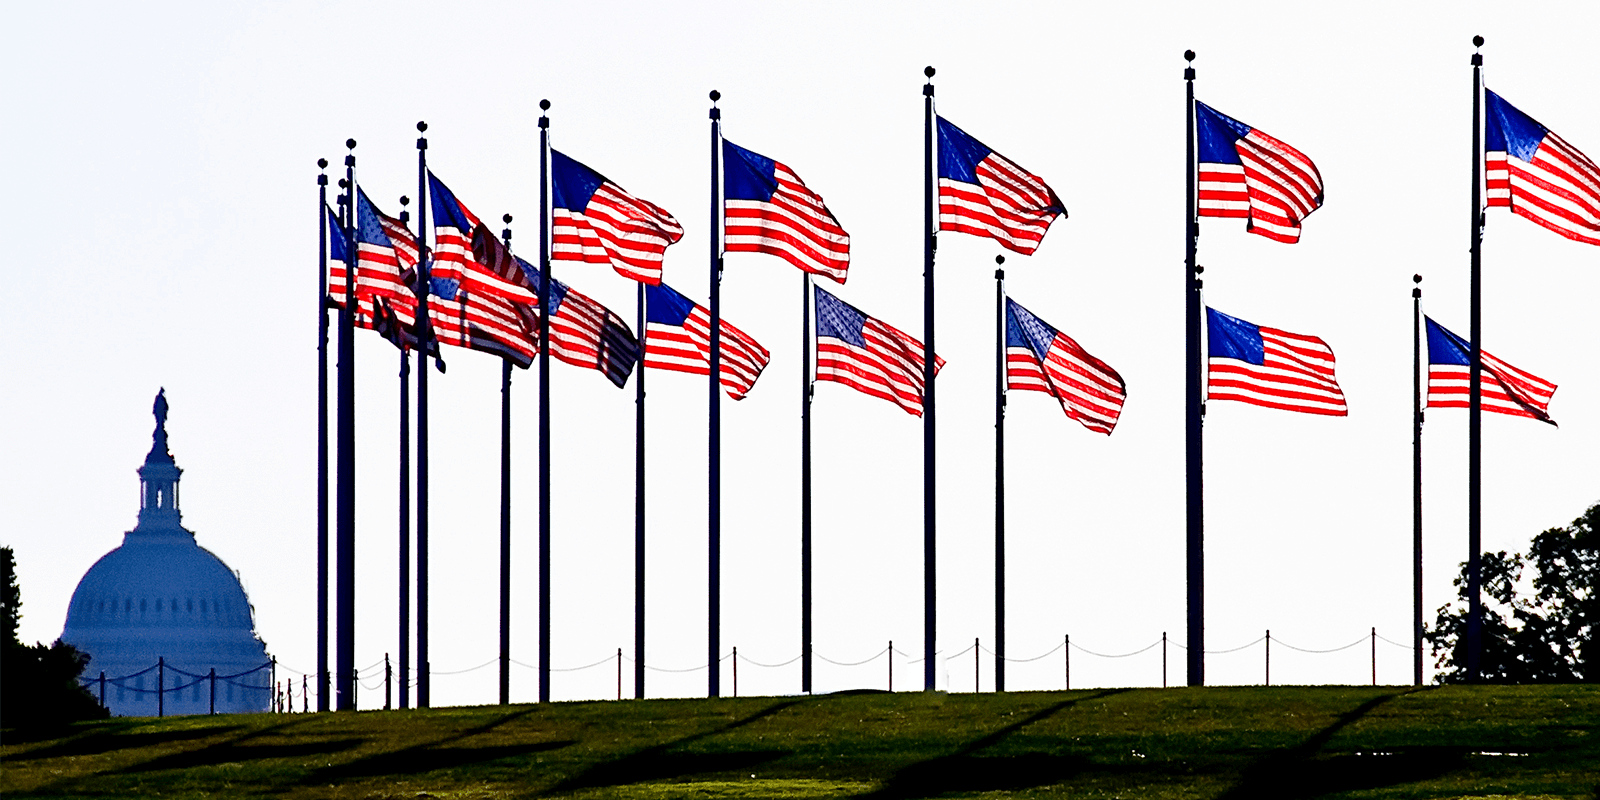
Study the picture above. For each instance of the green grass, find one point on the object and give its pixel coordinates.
(1244, 742)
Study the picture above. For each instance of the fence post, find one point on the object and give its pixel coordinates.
(977, 658)
(1374, 655)
(305, 693)
(891, 667)
(1163, 659)
(161, 686)
(102, 688)
(1268, 681)
(619, 673)
(288, 705)
(1066, 658)
(735, 670)
(213, 677)
(388, 684)
(355, 686)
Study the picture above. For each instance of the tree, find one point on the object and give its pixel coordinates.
(1547, 637)
(38, 684)
(1567, 592)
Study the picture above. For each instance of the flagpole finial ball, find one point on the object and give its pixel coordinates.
(404, 200)
(928, 71)
(715, 95)
(999, 259)
(422, 127)
(322, 163)
(544, 105)
(1188, 55)
(344, 184)
(1199, 269)
(1477, 41)
(506, 218)
(1416, 279)
(350, 143)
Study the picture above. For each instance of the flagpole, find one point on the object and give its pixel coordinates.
(544, 402)
(405, 495)
(1194, 405)
(1416, 480)
(505, 511)
(929, 520)
(714, 517)
(1000, 476)
(345, 586)
(425, 344)
(322, 432)
(1475, 393)
(805, 481)
(639, 505)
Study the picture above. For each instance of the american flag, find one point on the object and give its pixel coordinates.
(336, 258)
(1505, 389)
(1246, 173)
(1040, 358)
(1267, 367)
(986, 194)
(678, 337)
(1536, 174)
(595, 221)
(468, 304)
(769, 210)
(867, 355)
(384, 300)
(583, 332)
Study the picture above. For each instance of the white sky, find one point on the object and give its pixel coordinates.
(160, 192)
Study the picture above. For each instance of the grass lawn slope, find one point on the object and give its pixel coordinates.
(1220, 742)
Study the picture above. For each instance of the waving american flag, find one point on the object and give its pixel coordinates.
(986, 194)
(1246, 173)
(1535, 173)
(595, 221)
(769, 210)
(678, 338)
(868, 355)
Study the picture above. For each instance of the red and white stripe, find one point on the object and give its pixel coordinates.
(889, 367)
(484, 314)
(1014, 207)
(1089, 390)
(1504, 389)
(1296, 375)
(1560, 189)
(687, 348)
(616, 228)
(794, 225)
(1275, 188)
(578, 330)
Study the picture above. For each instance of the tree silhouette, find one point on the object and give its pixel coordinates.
(1546, 635)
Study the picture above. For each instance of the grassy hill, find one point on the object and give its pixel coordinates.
(1222, 742)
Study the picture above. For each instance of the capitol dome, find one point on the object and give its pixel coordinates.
(161, 597)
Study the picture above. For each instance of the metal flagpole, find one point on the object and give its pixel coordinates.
(322, 433)
(714, 516)
(1475, 393)
(1000, 475)
(806, 290)
(505, 511)
(405, 498)
(1416, 481)
(426, 343)
(345, 586)
(1194, 404)
(929, 520)
(639, 503)
(544, 401)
